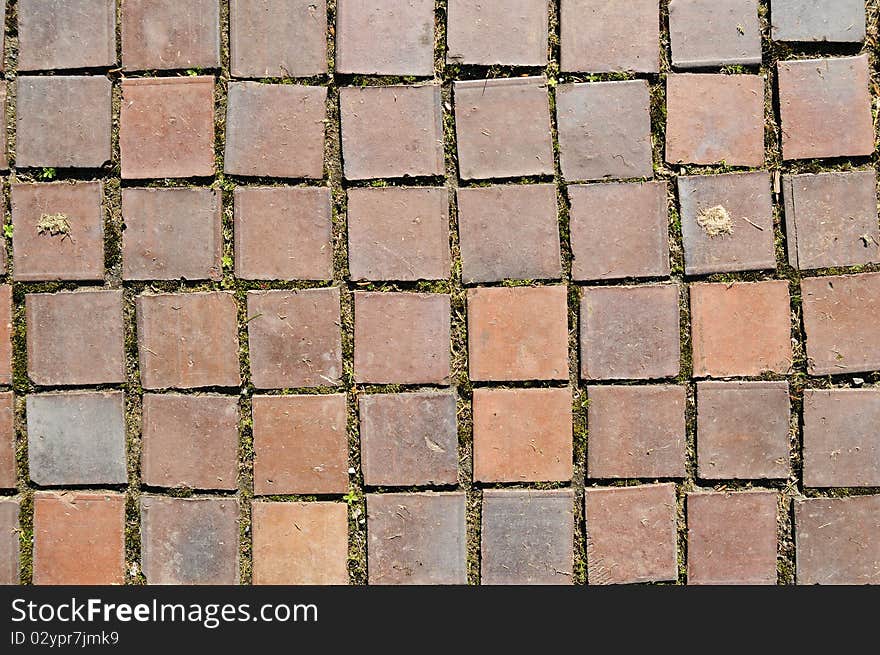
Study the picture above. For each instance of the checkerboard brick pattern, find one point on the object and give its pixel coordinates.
(58, 34)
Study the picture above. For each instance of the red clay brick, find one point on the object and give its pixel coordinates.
(509, 232)
(300, 445)
(4, 137)
(518, 333)
(631, 534)
(522, 435)
(732, 538)
(9, 542)
(79, 538)
(808, 20)
(5, 334)
(8, 465)
(167, 34)
(295, 338)
(58, 34)
(512, 33)
(714, 33)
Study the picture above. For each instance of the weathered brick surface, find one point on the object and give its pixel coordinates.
(58, 34)
(167, 34)
(714, 33)
(511, 33)
(8, 464)
(808, 20)
(9, 542)
(5, 334)
(4, 136)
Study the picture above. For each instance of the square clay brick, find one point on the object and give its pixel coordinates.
(503, 128)
(76, 438)
(5, 334)
(8, 464)
(294, 338)
(842, 332)
(171, 233)
(522, 435)
(838, 540)
(708, 33)
(188, 340)
(74, 253)
(190, 441)
(841, 21)
(527, 537)
(189, 541)
(732, 538)
(636, 432)
(509, 232)
(841, 448)
(416, 539)
(619, 230)
(385, 37)
(409, 439)
(168, 34)
(825, 108)
(75, 338)
(726, 125)
(743, 430)
(518, 333)
(604, 130)
(741, 328)
(630, 333)
(831, 219)
(59, 34)
(727, 222)
(79, 538)
(300, 543)
(402, 338)
(9, 542)
(512, 33)
(275, 130)
(631, 534)
(278, 38)
(302, 250)
(598, 36)
(391, 131)
(300, 444)
(398, 233)
(166, 127)
(62, 121)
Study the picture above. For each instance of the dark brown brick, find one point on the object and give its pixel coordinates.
(840, 21)
(58, 34)
(714, 33)
(512, 33)
(8, 464)
(9, 542)
(167, 34)
(5, 334)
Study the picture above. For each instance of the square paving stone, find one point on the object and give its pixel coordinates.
(398, 233)
(275, 130)
(619, 230)
(190, 441)
(743, 430)
(604, 130)
(842, 333)
(636, 432)
(188, 340)
(171, 234)
(278, 38)
(75, 338)
(630, 333)
(631, 534)
(841, 448)
(409, 439)
(76, 438)
(69, 248)
(385, 37)
(62, 121)
(283, 233)
(509, 232)
(518, 333)
(8, 464)
(741, 329)
(402, 338)
(166, 127)
(841, 21)
(598, 36)
(300, 444)
(831, 219)
(300, 543)
(512, 33)
(825, 108)
(416, 538)
(168, 34)
(294, 338)
(708, 33)
(726, 126)
(9, 542)
(732, 538)
(189, 541)
(79, 538)
(727, 222)
(5, 334)
(527, 537)
(58, 34)
(503, 128)
(391, 131)
(838, 540)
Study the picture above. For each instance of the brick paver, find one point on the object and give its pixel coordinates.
(167, 34)
(511, 33)
(9, 542)
(4, 129)
(5, 334)
(808, 20)
(58, 34)
(8, 465)
(709, 33)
